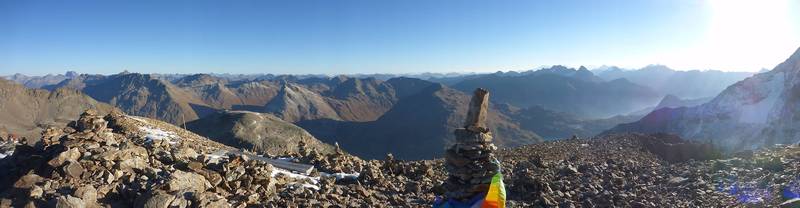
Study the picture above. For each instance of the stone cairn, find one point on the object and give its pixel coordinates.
(469, 162)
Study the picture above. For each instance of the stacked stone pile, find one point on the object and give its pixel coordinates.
(470, 162)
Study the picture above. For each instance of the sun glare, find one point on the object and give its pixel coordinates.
(747, 35)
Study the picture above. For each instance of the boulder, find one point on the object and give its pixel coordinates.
(28, 181)
(70, 155)
(156, 199)
(36, 192)
(87, 193)
(73, 169)
(69, 202)
(188, 181)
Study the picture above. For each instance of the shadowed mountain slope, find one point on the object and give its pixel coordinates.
(573, 92)
(417, 127)
(552, 125)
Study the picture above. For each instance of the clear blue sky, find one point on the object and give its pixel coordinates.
(404, 36)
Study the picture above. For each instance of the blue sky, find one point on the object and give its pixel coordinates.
(381, 36)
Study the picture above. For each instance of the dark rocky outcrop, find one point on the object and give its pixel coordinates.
(674, 149)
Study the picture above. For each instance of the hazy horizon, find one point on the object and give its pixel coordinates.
(591, 68)
(405, 37)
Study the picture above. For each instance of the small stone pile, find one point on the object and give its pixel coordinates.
(470, 162)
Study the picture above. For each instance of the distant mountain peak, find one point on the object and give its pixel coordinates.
(796, 55)
(670, 98)
(657, 67)
(71, 74)
(792, 64)
(199, 79)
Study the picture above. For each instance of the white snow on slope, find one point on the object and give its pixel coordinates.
(340, 176)
(152, 134)
(759, 111)
(313, 181)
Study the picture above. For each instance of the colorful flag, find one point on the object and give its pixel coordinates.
(496, 197)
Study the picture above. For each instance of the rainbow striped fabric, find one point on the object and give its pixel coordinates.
(494, 198)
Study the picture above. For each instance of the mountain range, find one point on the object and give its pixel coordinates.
(558, 88)
(41, 81)
(758, 111)
(405, 116)
(356, 103)
(690, 84)
(141, 95)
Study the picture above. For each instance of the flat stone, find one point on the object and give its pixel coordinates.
(70, 155)
(36, 192)
(193, 182)
(73, 169)
(133, 163)
(156, 199)
(28, 181)
(69, 202)
(87, 193)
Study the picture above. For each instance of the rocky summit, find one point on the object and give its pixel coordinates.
(117, 160)
(120, 160)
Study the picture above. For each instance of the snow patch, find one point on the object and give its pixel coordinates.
(340, 176)
(758, 112)
(313, 180)
(290, 174)
(305, 181)
(152, 134)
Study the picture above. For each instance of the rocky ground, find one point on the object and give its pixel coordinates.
(617, 170)
(125, 161)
